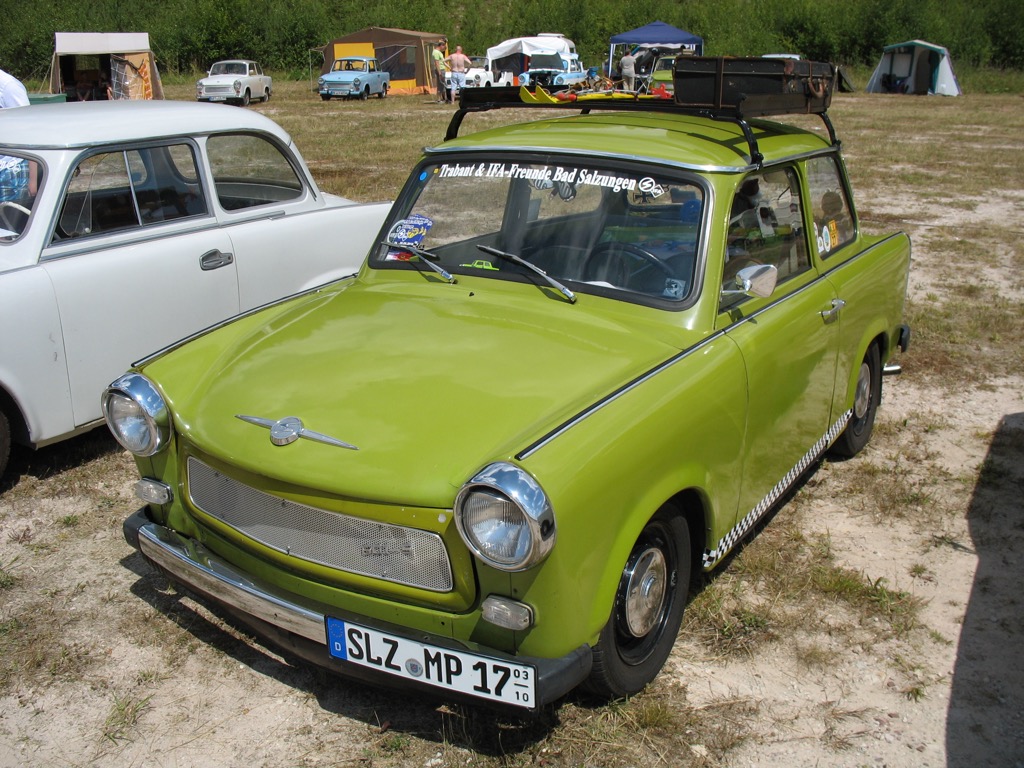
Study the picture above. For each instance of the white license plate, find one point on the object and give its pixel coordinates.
(467, 673)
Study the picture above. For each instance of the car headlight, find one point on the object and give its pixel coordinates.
(505, 518)
(137, 414)
(199, 89)
(321, 82)
(476, 79)
(237, 85)
(355, 82)
(559, 80)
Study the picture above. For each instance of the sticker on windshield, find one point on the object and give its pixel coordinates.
(408, 232)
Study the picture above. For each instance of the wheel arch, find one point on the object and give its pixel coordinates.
(15, 416)
(691, 504)
(874, 336)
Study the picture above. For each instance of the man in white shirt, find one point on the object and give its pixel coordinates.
(12, 92)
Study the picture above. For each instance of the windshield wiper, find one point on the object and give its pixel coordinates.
(425, 257)
(532, 267)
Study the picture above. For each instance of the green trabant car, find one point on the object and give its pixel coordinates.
(587, 355)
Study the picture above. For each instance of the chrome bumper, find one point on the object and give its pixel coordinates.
(276, 615)
(192, 564)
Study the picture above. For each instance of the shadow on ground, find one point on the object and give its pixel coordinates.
(386, 710)
(985, 723)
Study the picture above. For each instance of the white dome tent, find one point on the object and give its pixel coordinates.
(914, 67)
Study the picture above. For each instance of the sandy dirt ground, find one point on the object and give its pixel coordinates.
(145, 677)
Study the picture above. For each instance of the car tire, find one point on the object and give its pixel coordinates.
(246, 98)
(867, 395)
(266, 96)
(383, 91)
(5, 441)
(639, 635)
(364, 94)
(325, 97)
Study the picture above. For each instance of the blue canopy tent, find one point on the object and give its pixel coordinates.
(657, 34)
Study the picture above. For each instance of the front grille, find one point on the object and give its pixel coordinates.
(218, 90)
(393, 553)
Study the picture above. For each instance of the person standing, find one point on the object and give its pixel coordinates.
(440, 67)
(460, 64)
(627, 66)
(12, 92)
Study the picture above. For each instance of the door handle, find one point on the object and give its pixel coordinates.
(215, 259)
(829, 315)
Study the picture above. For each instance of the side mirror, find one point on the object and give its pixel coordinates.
(758, 281)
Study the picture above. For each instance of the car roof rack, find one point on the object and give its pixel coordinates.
(720, 88)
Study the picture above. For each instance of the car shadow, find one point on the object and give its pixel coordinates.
(59, 457)
(393, 710)
(984, 722)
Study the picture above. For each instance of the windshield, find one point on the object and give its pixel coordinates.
(19, 181)
(349, 65)
(627, 233)
(228, 68)
(546, 61)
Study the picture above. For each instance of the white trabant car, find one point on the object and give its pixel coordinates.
(235, 81)
(127, 225)
(483, 73)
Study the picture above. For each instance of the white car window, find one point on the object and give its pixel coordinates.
(250, 171)
(116, 191)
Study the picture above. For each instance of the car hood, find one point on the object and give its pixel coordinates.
(430, 382)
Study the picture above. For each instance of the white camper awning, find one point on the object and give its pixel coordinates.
(100, 42)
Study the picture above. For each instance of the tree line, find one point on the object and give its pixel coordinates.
(188, 35)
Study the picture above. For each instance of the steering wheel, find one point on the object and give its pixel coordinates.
(5, 217)
(597, 268)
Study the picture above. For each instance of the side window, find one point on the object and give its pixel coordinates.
(250, 171)
(98, 198)
(166, 183)
(766, 225)
(833, 223)
(135, 188)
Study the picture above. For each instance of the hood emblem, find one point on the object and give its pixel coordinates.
(289, 429)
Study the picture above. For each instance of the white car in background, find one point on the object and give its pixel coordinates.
(127, 225)
(483, 74)
(235, 81)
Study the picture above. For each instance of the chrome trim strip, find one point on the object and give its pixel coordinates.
(195, 566)
(615, 395)
(590, 154)
(713, 556)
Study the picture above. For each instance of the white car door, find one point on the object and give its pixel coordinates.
(286, 236)
(137, 262)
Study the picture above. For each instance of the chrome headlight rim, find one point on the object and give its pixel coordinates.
(148, 404)
(517, 487)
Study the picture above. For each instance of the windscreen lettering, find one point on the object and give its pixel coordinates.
(541, 174)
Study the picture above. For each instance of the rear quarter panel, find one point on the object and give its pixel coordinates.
(871, 277)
